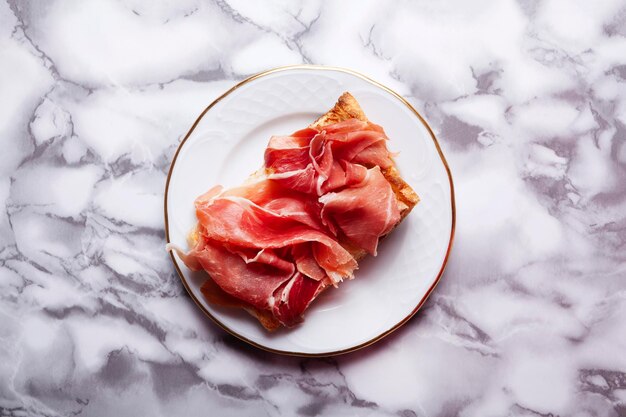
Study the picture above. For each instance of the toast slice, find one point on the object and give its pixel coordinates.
(346, 108)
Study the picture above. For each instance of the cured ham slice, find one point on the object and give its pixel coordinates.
(323, 160)
(253, 282)
(364, 212)
(306, 263)
(238, 221)
(262, 282)
(295, 297)
(296, 227)
(270, 294)
(289, 153)
(343, 174)
(374, 155)
(276, 199)
(303, 180)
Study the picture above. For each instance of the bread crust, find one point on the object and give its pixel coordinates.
(346, 108)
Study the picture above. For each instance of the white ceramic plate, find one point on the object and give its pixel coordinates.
(226, 144)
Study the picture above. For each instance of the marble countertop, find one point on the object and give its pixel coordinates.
(528, 99)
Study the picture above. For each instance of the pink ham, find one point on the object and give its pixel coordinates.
(261, 280)
(306, 263)
(240, 222)
(302, 180)
(280, 200)
(253, 282)
(320, 160)
(364, 212)
(289, 153)
(294, 297)
(374, 155)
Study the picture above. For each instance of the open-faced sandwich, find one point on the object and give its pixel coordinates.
(322, 201)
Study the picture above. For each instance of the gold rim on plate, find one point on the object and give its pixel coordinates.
(452, 202)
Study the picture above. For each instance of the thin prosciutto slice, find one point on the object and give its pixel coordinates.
(264, 282)
(321, 161)
(238, 221)
(364, 212)
(295, 297)
(276, 242)
(255, 282)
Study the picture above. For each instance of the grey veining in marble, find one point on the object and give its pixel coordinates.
(528, 99)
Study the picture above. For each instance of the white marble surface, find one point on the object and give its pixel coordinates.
(528, 99)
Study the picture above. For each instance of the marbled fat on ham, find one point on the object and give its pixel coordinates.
(279, 240)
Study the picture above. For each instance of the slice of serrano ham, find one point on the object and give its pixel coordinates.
(364, 212)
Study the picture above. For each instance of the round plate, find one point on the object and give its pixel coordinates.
(226, 144)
